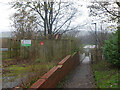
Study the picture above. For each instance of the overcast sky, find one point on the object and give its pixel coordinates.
(6, 12)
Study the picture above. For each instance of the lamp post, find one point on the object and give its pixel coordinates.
(96, 40)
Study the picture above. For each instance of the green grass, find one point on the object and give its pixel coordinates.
(16, 68)
(9, 59)
(20, 70)
(106, 75)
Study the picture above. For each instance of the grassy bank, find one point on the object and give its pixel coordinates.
(106, 75)
(32, 70)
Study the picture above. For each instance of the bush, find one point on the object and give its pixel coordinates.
(110, 50)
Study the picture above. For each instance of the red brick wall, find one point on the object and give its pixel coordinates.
(57, 73)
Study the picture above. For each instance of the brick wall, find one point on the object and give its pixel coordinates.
(57, 73)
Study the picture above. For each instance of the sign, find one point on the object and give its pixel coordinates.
(41, 43)
(25, 42)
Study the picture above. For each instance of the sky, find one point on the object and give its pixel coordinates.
(6, 11)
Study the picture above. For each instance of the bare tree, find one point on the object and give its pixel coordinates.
(101, 35)
(105, 9)
(111, 10)
(24, 24)
(52, 17)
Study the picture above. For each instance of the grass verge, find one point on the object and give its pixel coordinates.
(106, 75)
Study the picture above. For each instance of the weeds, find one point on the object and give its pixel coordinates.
(106, 76)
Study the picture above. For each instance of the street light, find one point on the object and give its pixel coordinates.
(96, 40)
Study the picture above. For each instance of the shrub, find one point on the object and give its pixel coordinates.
(110, 50)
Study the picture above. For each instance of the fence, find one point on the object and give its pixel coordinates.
(52, 49)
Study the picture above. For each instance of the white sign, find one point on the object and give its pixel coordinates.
(26, 42)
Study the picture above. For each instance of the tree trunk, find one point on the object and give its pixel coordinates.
(51, 17)
(45, 21)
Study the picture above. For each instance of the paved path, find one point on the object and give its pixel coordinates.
(81, 77)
